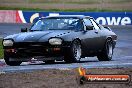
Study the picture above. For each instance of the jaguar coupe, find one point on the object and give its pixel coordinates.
(63, 37)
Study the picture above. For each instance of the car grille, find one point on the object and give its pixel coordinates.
(34, 49)
(30, 45)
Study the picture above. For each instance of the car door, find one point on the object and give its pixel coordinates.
(101, 34)
(91, 37)
(99, 39)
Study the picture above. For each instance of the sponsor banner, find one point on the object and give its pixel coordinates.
(7, 16)
(104, 18)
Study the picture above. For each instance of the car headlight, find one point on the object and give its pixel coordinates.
(55, 41)
(7, 43)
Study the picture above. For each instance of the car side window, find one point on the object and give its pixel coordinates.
(77, 24)
(87, 22)
(95, 24)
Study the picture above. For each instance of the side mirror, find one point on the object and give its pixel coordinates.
(24, 29)
(108, 28)
(89, 27)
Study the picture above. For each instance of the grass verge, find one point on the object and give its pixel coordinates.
(65, 10)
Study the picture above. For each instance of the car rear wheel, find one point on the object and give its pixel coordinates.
(74, 53)
(106, 54)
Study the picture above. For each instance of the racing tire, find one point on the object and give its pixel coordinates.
(74, 53)
(106, 54)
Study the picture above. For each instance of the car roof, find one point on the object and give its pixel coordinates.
(68, 16)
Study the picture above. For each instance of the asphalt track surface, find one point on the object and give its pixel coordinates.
(122, 53)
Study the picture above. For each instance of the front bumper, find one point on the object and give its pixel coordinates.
(35, 49)
(22, 52)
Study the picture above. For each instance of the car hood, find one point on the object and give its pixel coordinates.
(37, 35)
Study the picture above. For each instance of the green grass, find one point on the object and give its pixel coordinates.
(64, 1)
(1, 50)
(65, 10)
(38, 5)
(78, 1)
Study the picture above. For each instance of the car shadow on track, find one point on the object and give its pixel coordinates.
(62, 62)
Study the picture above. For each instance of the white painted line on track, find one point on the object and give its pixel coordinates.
(127, 63)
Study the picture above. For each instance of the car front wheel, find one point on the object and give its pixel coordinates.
(11, 63)
(106, 54)
(74, 53)
(49, 61)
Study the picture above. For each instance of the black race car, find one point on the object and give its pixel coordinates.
(64, 37)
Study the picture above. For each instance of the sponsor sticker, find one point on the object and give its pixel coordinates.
(101, 78)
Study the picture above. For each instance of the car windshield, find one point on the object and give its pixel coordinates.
(57, 24)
